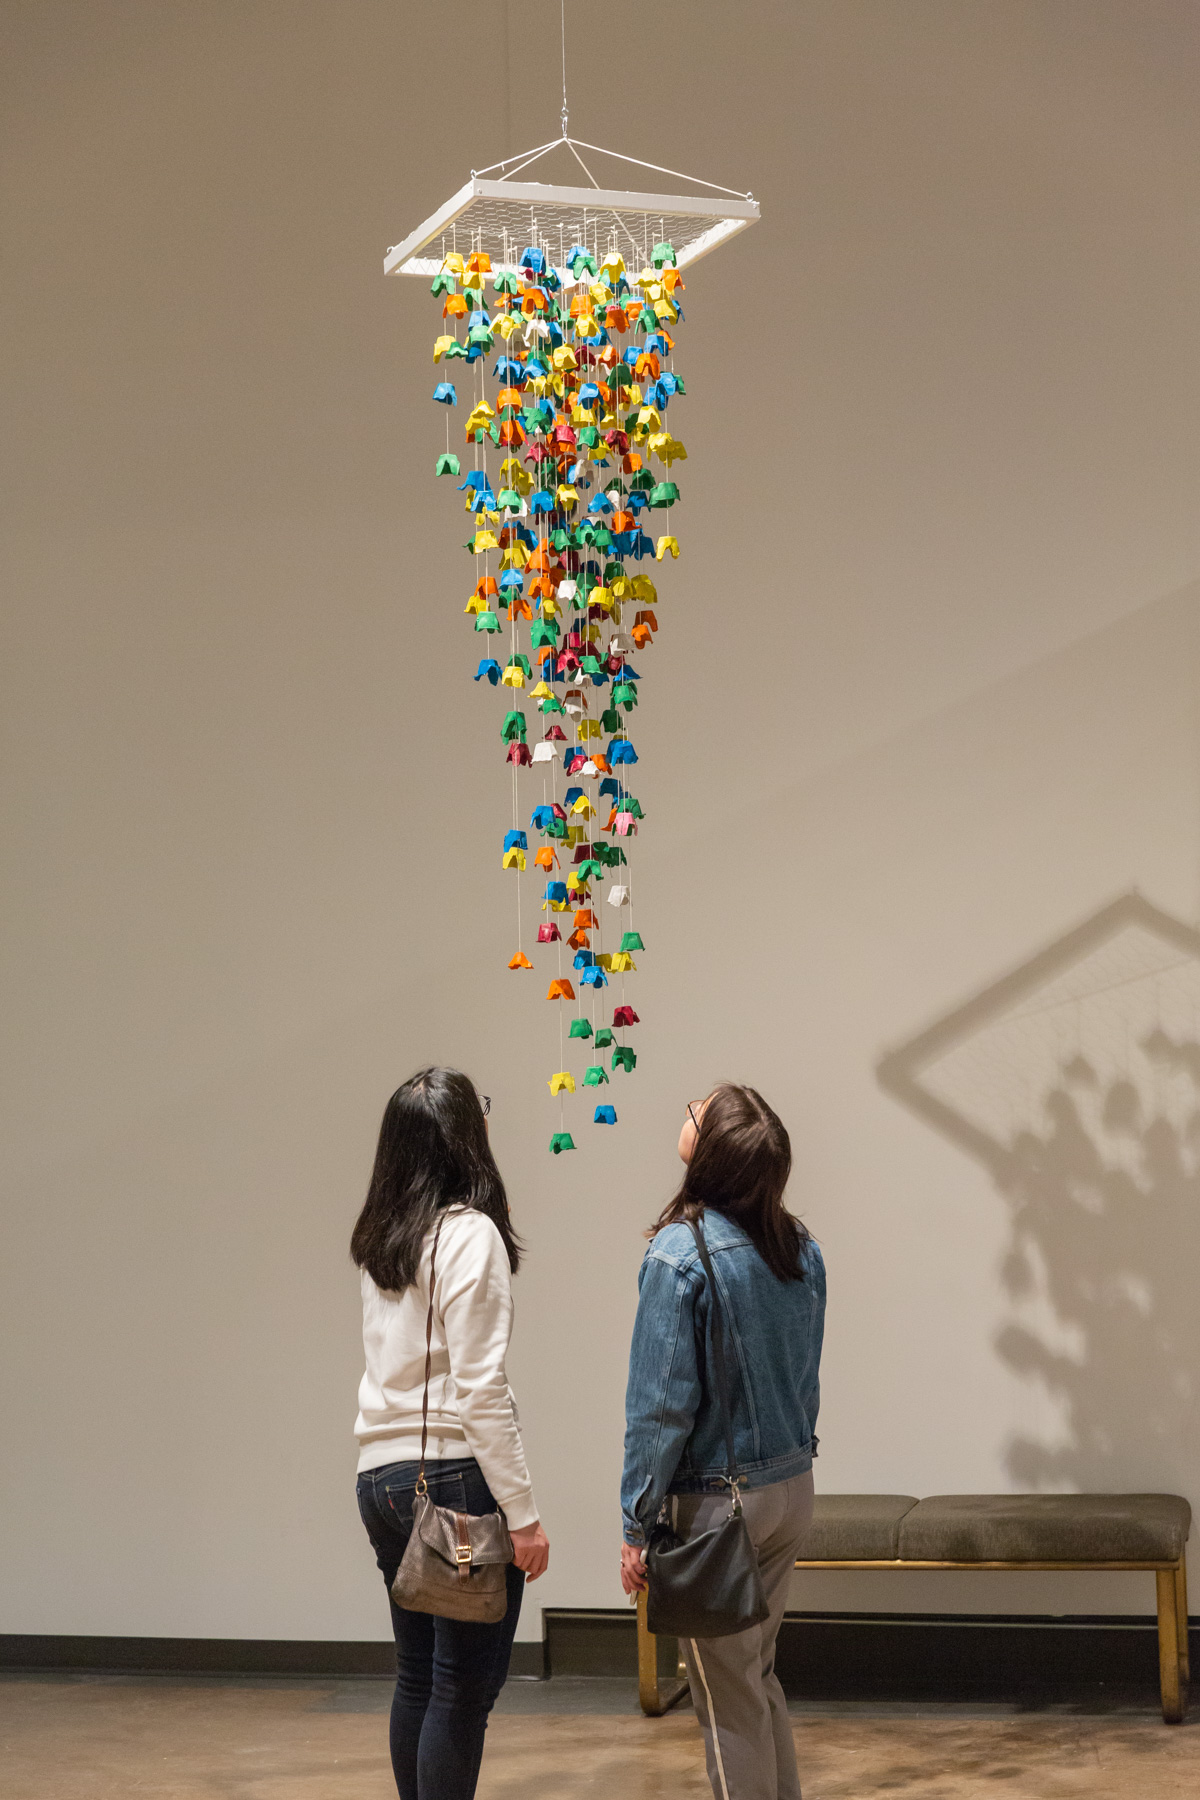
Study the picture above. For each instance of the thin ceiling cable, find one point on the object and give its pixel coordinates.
(563, 10)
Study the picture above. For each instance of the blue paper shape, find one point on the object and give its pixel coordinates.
(444, 392)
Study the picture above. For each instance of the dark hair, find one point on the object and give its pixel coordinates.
(740, 1166)
(433, 1153)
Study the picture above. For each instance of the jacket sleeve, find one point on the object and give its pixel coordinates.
(474, 1301)
(663, 1393)
(812, 1398)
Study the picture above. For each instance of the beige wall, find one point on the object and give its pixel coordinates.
(924, 698)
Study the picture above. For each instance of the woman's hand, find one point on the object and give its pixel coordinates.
(633, 1567)
(531, 1549)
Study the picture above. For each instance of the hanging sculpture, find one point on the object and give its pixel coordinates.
(567, 373)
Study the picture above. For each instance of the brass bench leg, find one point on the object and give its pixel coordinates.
(1181, 1619)
(655, 1700)
(1169, 1661)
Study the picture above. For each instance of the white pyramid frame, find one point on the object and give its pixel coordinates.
(503, 216)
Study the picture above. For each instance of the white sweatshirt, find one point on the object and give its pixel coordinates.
(471, 1407)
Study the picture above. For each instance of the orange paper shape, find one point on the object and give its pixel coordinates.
(519, 961)
(585, 919)
(545, 859)
(560, 990)
(579, 940)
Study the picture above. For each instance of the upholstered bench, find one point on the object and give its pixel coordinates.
(996, 1531)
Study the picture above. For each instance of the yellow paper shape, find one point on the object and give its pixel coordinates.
(567, 496)
(542, 691)
(515, 557)
(614, 263)
(453, 264)
(515, 678)
(505, 326)
(622, 963)
(441, 345)
(476, 605)
(514, 859)
(564, 358)
(644, 589)
(647, 419)
(562, 1081)
(665, 544)
(484, 540)
(590, 728)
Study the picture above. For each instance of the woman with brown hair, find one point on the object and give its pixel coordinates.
(770, 1278)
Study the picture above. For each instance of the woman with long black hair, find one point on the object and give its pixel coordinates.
(770, 1278)
(435, 1181)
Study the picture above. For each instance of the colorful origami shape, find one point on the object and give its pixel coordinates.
(625, 1015)
(623, 1057)
(548, 933)
(520, 961)
(596, 1076)
(564, 1081)
(444, 393)
(605, 1115)
(560, 990)
(580, 1028)
(562, 1140)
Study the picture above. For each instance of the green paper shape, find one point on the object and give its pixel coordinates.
(630, 805)
(590, 665)
(595, 1076)
(624, 693)
(665, 493)
(647, 320)
(486, 621)
(505, 282)
(560, 540)
(455, 349)
(443, 283)
(552, 704)
(590, 871)
(643, 481)
(508, 499)
(447, 464)
(557, 828)
(610, 719)
(479, 334)
(589, 435)
(562, 1140)
(624, 1058)
(544, 631)
(632, 940)
(581, 1028)
(663, 252)
(604, 1038)
(513, 727)
(520, 661)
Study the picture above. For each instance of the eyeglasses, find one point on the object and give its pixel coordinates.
(485, 1100)
(691, 1106)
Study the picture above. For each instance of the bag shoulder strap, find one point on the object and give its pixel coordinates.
(422, 1488)
(722, 1381)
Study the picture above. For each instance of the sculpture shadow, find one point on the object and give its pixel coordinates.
(1075, 1080)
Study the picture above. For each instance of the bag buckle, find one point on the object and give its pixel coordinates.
(462, 1553)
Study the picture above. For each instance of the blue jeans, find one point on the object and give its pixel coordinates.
(448, 1671)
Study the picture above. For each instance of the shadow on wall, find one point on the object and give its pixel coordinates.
(1076, 1081)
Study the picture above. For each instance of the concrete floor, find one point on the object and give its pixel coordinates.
(96, 1738)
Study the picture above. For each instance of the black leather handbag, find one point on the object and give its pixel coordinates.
(709, 1586)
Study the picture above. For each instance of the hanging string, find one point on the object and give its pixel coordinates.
(563, 21)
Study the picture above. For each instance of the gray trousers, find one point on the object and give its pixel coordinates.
(747, 1737)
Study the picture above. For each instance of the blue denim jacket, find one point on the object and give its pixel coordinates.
(674, 1442)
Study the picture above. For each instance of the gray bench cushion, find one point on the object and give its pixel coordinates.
(856, 1527)
(1046, 1528)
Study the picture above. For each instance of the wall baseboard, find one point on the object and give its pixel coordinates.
(31, 1654)
(824, 1656)
(843, 1656)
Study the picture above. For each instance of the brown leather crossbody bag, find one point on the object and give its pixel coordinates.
(453, 1563)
